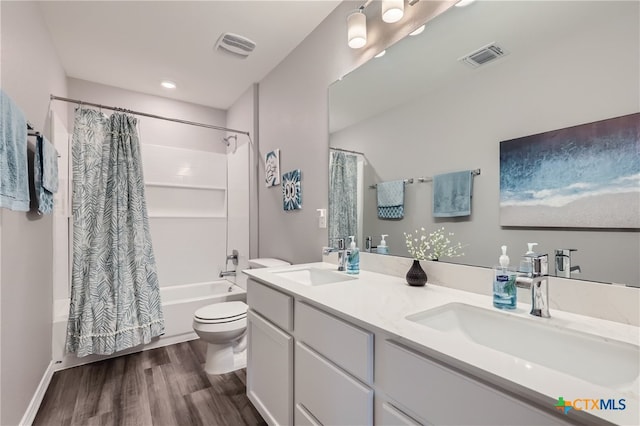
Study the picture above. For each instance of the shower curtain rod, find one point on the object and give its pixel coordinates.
(144, 114)
(346, 150)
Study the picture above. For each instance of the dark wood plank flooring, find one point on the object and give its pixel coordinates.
(160, 387)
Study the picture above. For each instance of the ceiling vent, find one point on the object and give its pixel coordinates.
(236, 45)
(484, 55)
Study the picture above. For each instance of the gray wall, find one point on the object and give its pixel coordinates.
(30, 72)
(293, 117)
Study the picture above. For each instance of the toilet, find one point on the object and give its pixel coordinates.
(224, 327)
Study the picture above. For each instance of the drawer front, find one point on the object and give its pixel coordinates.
(391, 416)
(442, 396)
(328, 393)
(277, 307)
(304, 418)
(346, 345)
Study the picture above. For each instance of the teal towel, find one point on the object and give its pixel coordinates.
(452, 194)
(14, 170)
(45, 174)
(390, 199)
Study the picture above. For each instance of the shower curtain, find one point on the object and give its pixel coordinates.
(343, 207)
(115, 297)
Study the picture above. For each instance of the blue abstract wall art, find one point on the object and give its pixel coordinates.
(291, 190)
(586, 176)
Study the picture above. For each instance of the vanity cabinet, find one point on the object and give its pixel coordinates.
(323, 372)
(270, 353)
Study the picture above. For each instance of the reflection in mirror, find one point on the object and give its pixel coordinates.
(419, 111)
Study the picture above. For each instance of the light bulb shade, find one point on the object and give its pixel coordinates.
(392, 10)
(356, 29)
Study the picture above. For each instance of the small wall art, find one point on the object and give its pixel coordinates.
(272, 168)
(291, 190)
(586, 176)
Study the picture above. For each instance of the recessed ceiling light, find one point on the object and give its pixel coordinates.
(418, 30)
(463, 3)
(381, 54)
(168, 84)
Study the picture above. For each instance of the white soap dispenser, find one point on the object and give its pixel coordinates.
(525, 262)
(382, 247)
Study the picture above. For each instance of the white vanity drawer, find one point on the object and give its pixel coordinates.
(277, 307)
(346, 345)
(391, 416)
(329, 394)
(439, 395)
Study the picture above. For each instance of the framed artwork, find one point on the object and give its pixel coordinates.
(291, 190)
(586, 176)
(272, 168)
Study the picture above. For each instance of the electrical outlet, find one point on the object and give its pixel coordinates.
(322, 222)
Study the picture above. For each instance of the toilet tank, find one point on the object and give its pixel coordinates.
(266, 262)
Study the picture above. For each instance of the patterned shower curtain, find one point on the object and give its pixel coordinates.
(115, 297)
(343, 204)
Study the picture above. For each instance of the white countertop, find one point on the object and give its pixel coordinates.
(383, 302)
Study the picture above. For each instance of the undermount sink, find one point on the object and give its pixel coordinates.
(592, 358)
(314, 276)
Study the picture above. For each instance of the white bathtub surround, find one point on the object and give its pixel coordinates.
(381, 303)
(605, 301)
(178, 303)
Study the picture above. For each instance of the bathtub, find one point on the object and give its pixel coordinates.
(178, 305)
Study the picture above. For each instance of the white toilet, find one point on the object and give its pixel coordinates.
(224, 325)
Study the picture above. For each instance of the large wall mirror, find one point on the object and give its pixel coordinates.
(419, 111)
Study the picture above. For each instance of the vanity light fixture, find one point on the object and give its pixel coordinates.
(168, 84)
(418, 30)
(357, 29)
(392, 10)
(463, 3)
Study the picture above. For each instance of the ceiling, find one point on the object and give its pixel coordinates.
(135, 45)
(418, 65)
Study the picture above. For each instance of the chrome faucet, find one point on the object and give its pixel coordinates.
(227, 274)
(367, 244)
(341, 252)
(540, 286)
(563, 263)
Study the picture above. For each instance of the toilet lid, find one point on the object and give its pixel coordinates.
(228, 311)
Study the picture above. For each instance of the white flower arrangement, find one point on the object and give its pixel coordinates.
(434, 246)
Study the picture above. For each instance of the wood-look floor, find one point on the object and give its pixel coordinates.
(161, 387)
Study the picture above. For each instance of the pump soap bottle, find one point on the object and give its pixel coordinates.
(382, 247)
(504, 284)
(353, 257)
(525, 262)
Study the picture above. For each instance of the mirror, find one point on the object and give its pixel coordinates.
(418, 111)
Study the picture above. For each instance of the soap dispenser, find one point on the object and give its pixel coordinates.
(382, 247)
(525, 262)
(504, 283)
(353, 257)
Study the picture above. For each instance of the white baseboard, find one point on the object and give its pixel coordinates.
(38, 396)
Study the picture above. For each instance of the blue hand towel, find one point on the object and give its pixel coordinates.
(390, 199)
(452, 194)
(14, 172)
(45, 174)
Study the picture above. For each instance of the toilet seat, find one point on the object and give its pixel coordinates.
(219, 313)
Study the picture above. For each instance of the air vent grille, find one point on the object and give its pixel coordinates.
(236, 45)
(484, 55)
